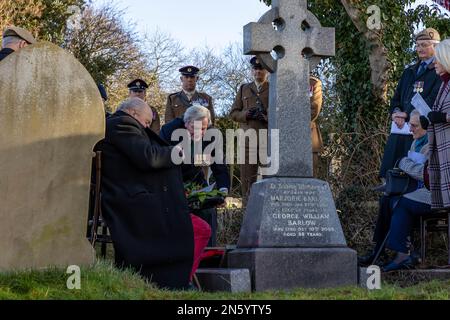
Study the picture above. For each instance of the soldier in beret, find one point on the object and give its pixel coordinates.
(419, 77)
(179, 102)
(14, 39)
(250, 110)
(138, 88)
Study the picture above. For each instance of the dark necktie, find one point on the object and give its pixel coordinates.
(422, 67)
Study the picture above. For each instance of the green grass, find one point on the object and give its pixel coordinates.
(103, 282)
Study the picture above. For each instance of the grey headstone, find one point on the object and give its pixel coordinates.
(290, 212)
(224, 280)
(51, 115)
(291, 235)
(289, 105)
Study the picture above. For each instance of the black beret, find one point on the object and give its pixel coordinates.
(256, 63)
(189, 71)
(138, 84)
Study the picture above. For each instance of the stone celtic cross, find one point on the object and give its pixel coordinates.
(299, 42)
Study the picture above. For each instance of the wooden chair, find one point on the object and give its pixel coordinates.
(95, 219)
(437, 221)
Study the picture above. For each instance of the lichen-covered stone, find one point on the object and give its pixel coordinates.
(51, 116)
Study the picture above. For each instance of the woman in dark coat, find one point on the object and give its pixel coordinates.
(143, 199)
(193, 173)
(418, 78)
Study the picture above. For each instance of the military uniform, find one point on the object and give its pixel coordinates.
(141, 85)
(315, 93)
(248, 97)
(179, 102)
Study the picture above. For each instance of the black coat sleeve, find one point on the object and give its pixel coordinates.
(221, 174)
(145, 154)
(431, 98)
(396, 102)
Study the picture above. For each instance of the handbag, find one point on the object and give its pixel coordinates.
(398, 182)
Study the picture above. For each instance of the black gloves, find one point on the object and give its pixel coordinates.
(437, 117)
(424, 123)
(260, 116)
(256, 114)
(251, 114)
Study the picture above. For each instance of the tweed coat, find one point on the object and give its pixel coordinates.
(439, 140)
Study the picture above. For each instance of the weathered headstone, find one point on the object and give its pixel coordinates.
(291, 235)
(51, 115)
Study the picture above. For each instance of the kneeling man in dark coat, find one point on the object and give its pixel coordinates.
(143, 199)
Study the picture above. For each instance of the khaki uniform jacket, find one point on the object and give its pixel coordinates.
(246, 99)
(178, 103)
(316, 107)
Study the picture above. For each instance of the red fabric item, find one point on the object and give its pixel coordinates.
(202, 233)
(445, 78)
(444, 3)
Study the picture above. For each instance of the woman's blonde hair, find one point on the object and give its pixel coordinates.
(443, 54)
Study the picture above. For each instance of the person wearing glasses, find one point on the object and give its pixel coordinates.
(421, 78)
(138, 89)
(415, 201)
(179, 102)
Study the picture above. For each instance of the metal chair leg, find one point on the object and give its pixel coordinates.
(197, 283)
(422, 239)
(381, 248)
(448, 237)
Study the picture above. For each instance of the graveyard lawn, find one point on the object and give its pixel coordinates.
(103, 282)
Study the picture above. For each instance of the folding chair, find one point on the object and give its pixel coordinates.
(95, 220)
(437, 221)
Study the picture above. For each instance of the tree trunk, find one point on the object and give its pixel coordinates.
(379, 63)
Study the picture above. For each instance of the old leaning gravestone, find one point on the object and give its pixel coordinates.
(51, 115)
(291, 235)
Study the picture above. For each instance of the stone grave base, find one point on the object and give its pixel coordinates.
(224, 280)
(290, 268)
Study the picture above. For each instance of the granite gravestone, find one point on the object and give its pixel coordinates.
(291, 234)
(51, 115)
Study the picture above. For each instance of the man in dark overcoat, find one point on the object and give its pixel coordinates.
(143, 199)
(421, 78)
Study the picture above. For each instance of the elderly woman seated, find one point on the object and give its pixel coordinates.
(401, 208)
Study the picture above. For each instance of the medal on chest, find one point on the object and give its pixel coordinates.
(418, 86)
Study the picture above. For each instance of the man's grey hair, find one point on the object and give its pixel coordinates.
(415, 113)
(10, 40)
(197, 113)
(132, 104)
